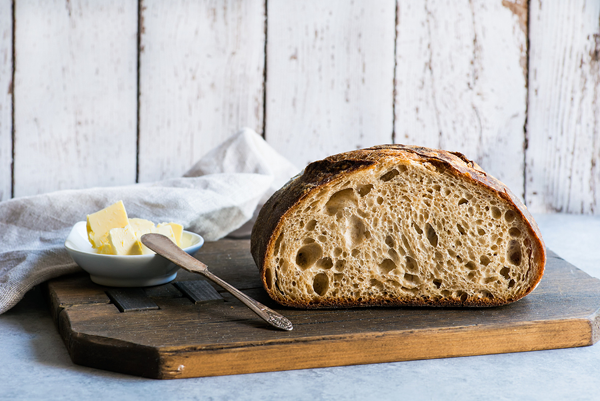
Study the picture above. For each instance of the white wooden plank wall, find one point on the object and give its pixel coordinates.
(330, 68)
(338, 75)
(6, 68)
(75, 94)
(201, 79)
(563, 127)
(461, 81)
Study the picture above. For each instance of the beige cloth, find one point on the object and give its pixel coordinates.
(218, 195)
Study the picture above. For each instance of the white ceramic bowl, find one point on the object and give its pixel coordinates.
(128, 270)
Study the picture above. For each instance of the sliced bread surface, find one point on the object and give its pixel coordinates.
(396, 225)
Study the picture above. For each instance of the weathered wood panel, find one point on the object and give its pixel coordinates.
(563, 126)
(6, 71)
(330, 67)
(75, 94)
(201, 79)
(461, 81)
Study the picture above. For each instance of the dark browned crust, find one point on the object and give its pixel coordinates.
(319, 173)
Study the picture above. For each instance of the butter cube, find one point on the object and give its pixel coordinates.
(124, 242)
(141, 227)
(177, 231)
(100, 223)
(164, 230)
(167, 231)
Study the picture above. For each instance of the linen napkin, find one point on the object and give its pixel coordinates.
(219, 194)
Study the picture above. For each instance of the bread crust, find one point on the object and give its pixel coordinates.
(318, 174)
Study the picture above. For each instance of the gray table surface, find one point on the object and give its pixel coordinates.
(34, 363)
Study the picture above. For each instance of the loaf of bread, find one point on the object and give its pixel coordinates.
(396, 225)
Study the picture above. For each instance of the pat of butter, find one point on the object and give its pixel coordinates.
(177, 231)
(123, 241)
(167, 231)
(141, 227)
(100, 223)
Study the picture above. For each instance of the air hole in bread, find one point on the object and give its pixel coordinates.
(509, 216)
(321, 284)
(461, 229)
(376, 284)
(505, 272)
(386, 266)
(412, 278)
(411, 265)
(311, 225)
(437, 283)
(389, 175)
(462, 201)
(496, 213)
(355, 231)
(341, 200)
(325, 263)
(514, 232)
(308, 255)
(364, 189)
(406, 244)
(484, 260)
(394, 255)
(471, 265)
(340, 264)
(514, 252)
(417, 228)
(431, 235)
(389, 241)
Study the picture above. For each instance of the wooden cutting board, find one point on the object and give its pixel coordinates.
(162, 333)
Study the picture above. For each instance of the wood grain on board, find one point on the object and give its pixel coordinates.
(201, 79)
(330, 69)
(461, 81)
(75, 94)
(182, 339)
(6, 72)
(563, 125)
